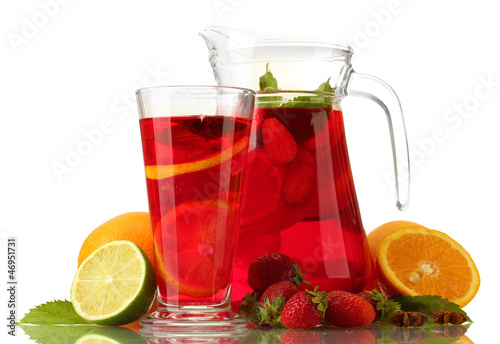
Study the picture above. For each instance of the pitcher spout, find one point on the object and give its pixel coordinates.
(218, 38)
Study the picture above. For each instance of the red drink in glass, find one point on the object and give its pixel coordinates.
(193, 167)
(305, 208)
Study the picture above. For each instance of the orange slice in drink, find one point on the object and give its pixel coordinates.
(166, 171)
(261, 198)
(414, 260)
(195, 247)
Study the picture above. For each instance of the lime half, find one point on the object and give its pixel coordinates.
(115, 285)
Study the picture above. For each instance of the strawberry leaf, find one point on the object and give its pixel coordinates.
(427, 304)
(299, 277)
(318, 298)
(249, 308)
(271, 312)
(387, 306)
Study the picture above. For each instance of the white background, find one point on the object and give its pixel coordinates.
(71, 67)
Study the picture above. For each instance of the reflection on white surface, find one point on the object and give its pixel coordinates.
(382, 333)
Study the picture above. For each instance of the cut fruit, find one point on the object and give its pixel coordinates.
(262, 186)
(279, 144)
(166, 171)
(327, 135)
(195, 243)
(421, 261)
(300, 183)
(115, 285)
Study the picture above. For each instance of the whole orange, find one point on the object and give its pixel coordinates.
(133, 226)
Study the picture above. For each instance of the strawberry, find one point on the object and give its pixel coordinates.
(348, 310)
(298, 186)
(279, 144)
(369, 298)
(273, 300)
(273, 268)
(305, 309)
(286, 289)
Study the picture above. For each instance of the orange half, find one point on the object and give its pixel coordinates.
(421, 261)
(195, 247)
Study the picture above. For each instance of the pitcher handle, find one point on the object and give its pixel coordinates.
(368, 86)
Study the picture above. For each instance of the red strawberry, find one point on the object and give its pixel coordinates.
(298, 186)
(348, 310)
(279, 144)
(305, 309)
(273, 268)
(369, 298)
(273, 300)
(286, 289)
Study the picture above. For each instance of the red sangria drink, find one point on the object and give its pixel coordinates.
(194, 167)
(193, 170)
(299, 196)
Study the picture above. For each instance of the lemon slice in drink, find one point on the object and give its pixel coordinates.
(115, 285)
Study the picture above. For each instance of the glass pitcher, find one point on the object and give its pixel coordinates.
(299, 197)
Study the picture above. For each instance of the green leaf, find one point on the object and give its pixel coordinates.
(299, 277)
(249, 308)
(314, 101)
(319, 300)
(387, 306)
(325, 87)
(53, 312)
(427, 304)
(52, 334)
(268, 82)
(271, 312)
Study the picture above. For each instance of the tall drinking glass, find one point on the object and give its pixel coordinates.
(195, 141)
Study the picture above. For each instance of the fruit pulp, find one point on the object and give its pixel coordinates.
(303, 205)
(194, 167)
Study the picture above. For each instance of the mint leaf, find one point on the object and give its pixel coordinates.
(315, 101)
(268, 82)
(325, 87)
(427, 304)
(51, 334)
(53, 312)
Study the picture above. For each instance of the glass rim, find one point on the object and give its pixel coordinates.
(345, 48)
(225, 89)
(307, 92)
